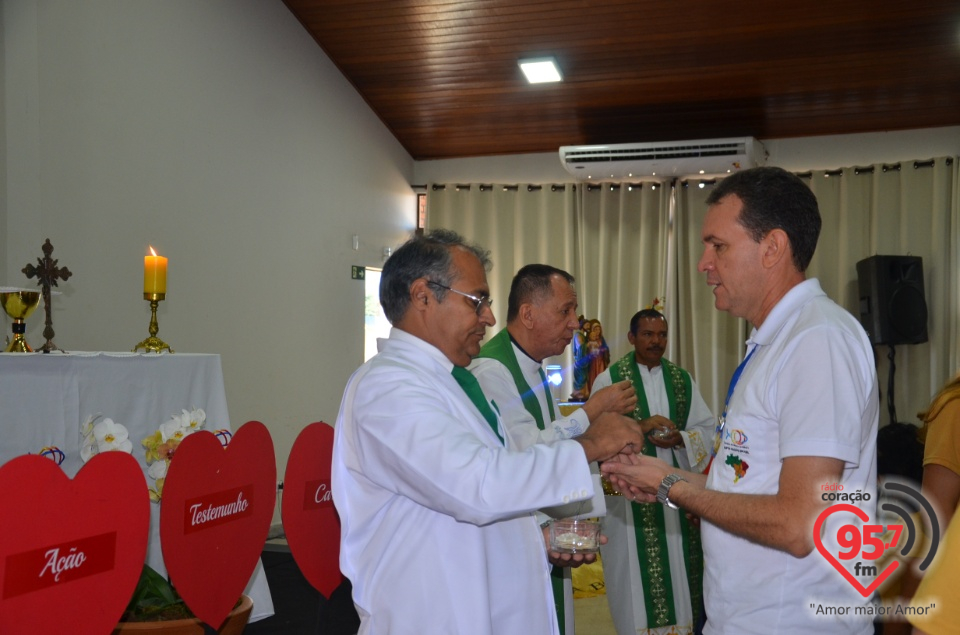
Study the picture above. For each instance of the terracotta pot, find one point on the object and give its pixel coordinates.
(234, 624)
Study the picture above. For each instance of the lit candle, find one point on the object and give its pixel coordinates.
(154, 273)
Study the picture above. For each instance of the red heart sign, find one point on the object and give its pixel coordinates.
(71, 551)
(310, 522)
(842, 507)
(215, 516)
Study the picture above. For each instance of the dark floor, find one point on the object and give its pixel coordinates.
(298, 607)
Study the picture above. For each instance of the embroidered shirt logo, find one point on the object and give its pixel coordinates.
(739, 466)
(738, 438)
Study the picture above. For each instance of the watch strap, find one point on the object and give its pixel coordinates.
(663, 492)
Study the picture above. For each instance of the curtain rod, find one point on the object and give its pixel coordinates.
(886, 167)
(486, 187)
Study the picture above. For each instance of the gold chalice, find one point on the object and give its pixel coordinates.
(19, 304)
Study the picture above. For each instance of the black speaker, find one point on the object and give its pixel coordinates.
(892, 305)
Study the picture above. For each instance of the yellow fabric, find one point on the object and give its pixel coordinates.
(588, 580)
(569, 408)
(939, 587)
(943, 441)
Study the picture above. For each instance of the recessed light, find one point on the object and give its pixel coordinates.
(541, 70)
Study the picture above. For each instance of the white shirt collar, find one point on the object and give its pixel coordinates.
(399, 335)
(787, 307)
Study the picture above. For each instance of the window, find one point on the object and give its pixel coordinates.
(375, 323)
(421, 211)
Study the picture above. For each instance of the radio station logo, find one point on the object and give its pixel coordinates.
(858, 547)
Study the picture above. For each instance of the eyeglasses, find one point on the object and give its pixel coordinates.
(478, 303)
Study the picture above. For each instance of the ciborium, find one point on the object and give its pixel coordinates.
(19, 304)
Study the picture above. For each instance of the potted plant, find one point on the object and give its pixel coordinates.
(156, 607)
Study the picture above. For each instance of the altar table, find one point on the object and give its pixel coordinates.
(45, 398)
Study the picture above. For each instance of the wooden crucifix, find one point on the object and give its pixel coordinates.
(47, 274)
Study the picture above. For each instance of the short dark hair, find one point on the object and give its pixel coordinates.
(775, 199)
(644, 314)
(531, 282)
(428, 256)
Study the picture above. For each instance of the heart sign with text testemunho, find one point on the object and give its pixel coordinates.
(215, 517)
(71, 551)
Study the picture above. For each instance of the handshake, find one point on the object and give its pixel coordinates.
(617, 441)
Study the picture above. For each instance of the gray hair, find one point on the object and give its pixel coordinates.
(423, 256)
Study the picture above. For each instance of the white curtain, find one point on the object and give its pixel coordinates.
(622, 234)
(707, 342)
(904, 209)
(520, 225)
(627, 246)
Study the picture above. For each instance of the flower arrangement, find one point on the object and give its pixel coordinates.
(161, 445)
(154, 599)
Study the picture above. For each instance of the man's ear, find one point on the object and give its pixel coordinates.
(631, 337)
(526, 315)
(775, 246)
(420, 294)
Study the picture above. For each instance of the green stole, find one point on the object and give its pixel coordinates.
(648, 517)
(500, 348)
(471, 386)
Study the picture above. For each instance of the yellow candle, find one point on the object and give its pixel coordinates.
(154, 273)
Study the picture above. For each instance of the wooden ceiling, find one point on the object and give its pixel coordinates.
(443, 75)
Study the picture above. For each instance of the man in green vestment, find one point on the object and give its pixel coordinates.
(541, 319)
(653, 563)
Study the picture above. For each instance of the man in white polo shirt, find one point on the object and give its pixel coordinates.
(801, 415)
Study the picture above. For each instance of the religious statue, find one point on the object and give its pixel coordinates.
(591, 357)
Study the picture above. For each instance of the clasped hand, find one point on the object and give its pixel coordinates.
(636, 476)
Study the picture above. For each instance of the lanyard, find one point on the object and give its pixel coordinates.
(722, 421)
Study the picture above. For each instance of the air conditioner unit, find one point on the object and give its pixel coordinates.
(620, 162)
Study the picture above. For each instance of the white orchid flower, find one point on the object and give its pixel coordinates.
(86, 428)
(89, 449)
(194, 419)
(112, 436)
(157, 469)
(173, 429)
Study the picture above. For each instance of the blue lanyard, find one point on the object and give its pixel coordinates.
(722, 421)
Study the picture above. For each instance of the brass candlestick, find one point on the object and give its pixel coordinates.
(153, 343)
(19, 304)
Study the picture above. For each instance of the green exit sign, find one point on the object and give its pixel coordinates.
(358, 273)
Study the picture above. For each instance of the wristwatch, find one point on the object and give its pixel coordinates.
(662, 492)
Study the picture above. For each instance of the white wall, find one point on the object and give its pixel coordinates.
(221, 134)
(796, 155)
